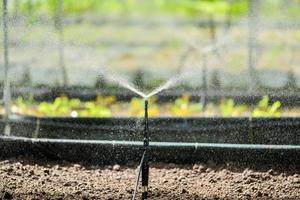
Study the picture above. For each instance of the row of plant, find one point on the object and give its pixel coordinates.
(125, 7)
(108, 106)
(179, 7)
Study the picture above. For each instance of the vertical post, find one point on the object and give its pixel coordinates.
(204, 81)
(252, 42)
(212, 28)
(16, 8)
(29, 7)
(145, 166)
(228, 18)
(6, 90)
(59, 28)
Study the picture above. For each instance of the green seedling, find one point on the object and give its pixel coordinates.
(91, 109)
(265, 109)
(137, 107)
(228, 108)
(183, 107)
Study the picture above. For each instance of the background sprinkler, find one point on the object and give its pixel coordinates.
(144, 164)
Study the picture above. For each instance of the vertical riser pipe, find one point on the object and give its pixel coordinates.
(145, 166)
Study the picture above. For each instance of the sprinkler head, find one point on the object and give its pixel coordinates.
(146, 127)
(146, 108)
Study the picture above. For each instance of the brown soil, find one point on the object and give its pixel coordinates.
(30, 179)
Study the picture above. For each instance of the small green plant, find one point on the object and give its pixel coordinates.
(23, 106)
(265, 109)
(137, 107)
(63, 106)
(183, 106)
(228, 108)
(91, 109)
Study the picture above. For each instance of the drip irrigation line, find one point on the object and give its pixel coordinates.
(162, 145)
(138, 177)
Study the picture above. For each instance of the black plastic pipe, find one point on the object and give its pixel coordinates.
(162, 145)
(145, 167)
(110, 152)
(6, 90)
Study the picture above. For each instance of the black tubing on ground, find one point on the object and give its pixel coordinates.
(126, 151)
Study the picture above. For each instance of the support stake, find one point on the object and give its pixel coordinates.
(6, 90)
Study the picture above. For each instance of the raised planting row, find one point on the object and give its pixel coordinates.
(275, 131)
(106, 140)
(287, 96)
(109, 106)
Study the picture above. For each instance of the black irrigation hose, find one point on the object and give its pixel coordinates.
(121, 151)
(162, 145)
(138, 177)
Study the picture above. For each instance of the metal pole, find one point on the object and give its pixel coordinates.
(145, 167)
(6, 90)
(59, 26)
(16, 8)
(212, 28)
(204, 81)
(252, 42)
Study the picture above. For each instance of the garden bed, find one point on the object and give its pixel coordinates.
(46, 93)
(27, 178)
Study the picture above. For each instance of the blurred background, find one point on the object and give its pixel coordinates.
(247, 48)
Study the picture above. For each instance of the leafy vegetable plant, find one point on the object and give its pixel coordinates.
(137, 107)
(107, 106)
(184, 107)
(63, 106)
(229, 108)
(265, 109)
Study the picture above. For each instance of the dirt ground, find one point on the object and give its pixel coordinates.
(25, 178)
